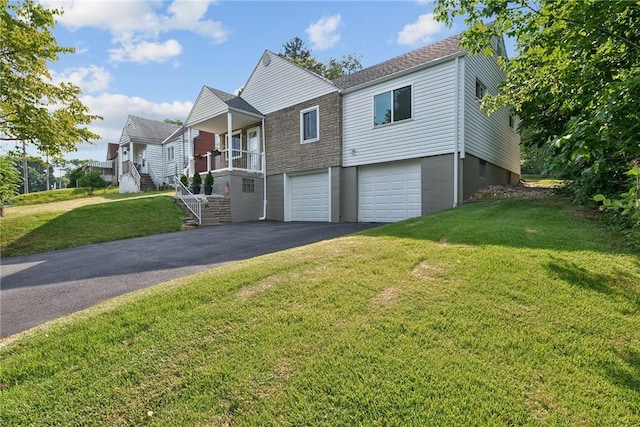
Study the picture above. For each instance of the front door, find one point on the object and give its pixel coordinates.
(253, 148)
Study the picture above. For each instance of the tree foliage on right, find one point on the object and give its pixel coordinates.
(575, 82)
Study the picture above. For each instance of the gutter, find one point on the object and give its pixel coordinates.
(456, 144)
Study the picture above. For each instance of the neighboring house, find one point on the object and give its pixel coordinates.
(154, 153)
(393, 141)
(109, 168)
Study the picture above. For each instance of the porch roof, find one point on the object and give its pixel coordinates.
(209, 113)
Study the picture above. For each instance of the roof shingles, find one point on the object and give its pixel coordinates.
(423, 55)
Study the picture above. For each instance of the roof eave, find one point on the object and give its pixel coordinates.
(404, 72)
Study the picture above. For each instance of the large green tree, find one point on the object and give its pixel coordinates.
(574, 82)
(32, 107)
(9, 180)
(297, 51)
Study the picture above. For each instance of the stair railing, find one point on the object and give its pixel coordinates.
(190, 200)
(133, 170)
(153, 176)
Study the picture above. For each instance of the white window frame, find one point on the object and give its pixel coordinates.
(171, 153)
(482, 89)
(391, 92)
(302, 113)
(233, 150)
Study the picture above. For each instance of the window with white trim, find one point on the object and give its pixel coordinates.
(171, 153)
(236, 148)
(392, 106)
(310, 125)
(481, 89)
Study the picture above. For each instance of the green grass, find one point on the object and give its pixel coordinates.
(517, 312)
(56, 196)
(90, 219)
(544, 181)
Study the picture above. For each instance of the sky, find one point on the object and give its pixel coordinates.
(152, 58)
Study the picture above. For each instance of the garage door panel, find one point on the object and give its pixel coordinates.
(310, 197)
(390, 192)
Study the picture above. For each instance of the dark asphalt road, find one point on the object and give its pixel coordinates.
(37, 288)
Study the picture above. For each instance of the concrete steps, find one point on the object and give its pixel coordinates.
(215, 210)
(146, 183)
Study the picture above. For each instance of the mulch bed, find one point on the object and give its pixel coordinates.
(523, 190)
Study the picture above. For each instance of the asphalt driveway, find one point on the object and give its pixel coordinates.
(37, 288)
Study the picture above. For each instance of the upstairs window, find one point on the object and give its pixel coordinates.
(171, 153)
(309, 125)
(481, 89)
(392, 106)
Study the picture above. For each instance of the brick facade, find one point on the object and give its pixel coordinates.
(203, 143)
(285, 153)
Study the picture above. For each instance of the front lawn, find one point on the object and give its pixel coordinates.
(72, 222)
(515, 312)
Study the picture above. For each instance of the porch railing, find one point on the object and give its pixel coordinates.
(153, 176)
(190, 200)
(130, 168)
(245, 160)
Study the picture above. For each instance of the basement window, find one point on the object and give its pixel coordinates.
(482, 168)
(248, 185)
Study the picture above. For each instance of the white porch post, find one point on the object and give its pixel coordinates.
(230, 138)
(130, 156)
(208, 161)
(192, 166)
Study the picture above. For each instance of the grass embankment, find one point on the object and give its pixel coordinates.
(519, 312)
(71, 221)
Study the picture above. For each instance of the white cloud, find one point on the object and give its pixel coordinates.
(89, 79)
(116, 107)
(323, 33)
(421, 31)
(144, 52)
(136, 26)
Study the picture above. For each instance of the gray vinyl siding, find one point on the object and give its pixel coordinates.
(488, 137)
(154, 158)
(206, 106)
(430, 131)
(282, 84)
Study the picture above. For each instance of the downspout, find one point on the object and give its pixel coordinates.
(264, 175)
(456, 120)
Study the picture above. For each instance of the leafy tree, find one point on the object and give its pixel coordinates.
(575, 82)
(32, 107)
(296, 51)
(9, 180)
(37, 169)
(177, 122)
(92, 180)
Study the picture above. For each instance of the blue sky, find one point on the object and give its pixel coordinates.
(151, 58)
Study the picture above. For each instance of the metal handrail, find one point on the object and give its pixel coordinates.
(190, 200)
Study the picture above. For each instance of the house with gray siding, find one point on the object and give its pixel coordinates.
(393, 141)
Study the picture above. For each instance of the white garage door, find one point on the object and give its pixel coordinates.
(389, 192)
(310, 197)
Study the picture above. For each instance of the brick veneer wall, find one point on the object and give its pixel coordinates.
(285, 153)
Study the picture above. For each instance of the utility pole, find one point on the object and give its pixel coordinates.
(47, 174)
(25, 173)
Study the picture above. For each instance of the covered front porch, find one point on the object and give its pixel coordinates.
(237, 162)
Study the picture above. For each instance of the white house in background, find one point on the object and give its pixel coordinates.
(393, 141)
(151, 154)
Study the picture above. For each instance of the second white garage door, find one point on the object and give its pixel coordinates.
(310, 197)
(389, 192)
